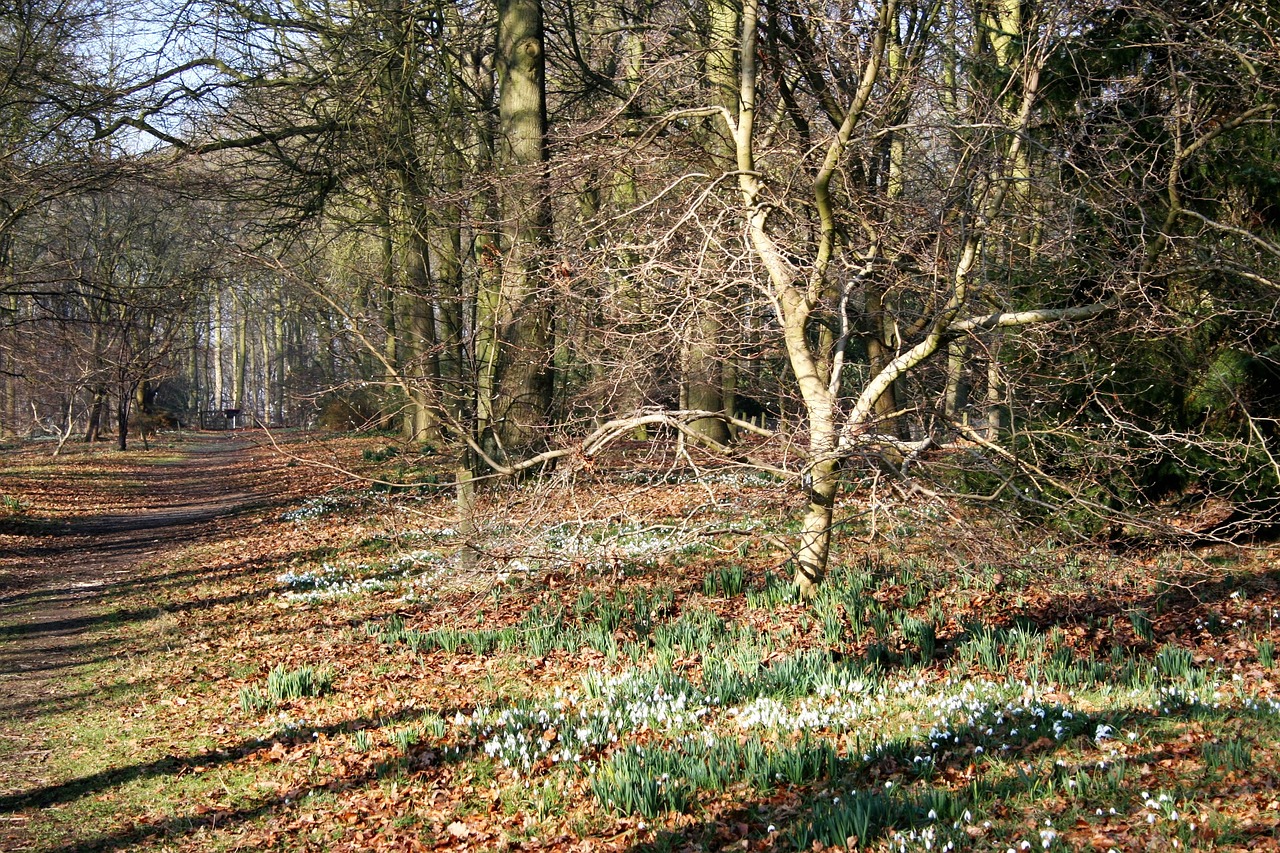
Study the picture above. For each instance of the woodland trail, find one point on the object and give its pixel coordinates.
(57, 583)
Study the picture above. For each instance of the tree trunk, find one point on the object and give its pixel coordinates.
(97, 411)
(954, 397)
(522, 318)
(9, 408)
(729, 390)
(268, 364)
(451, 342)
(812, 357)
(193, 369)
(388, 368)
(278, 388)
(123, 398)
(814, 549)
(9, 426)
(422, 368)
(995, 421)
(704, 383)
(219, 380)
(881, 348)
(240, 356)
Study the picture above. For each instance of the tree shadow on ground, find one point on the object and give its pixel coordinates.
(175, 765)
(100, 596)
(143, 579)
(196, 821)
(15, 706)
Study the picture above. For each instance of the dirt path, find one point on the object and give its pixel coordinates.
(55, 585)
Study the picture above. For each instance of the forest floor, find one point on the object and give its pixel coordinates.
(220, 644)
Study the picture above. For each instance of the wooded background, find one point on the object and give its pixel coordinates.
(1029, 248)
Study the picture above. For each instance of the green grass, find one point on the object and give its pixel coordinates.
(102, 767)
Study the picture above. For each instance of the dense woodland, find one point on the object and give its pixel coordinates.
(752, 425)
(1022, 251)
